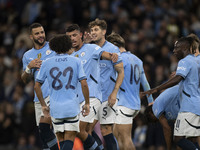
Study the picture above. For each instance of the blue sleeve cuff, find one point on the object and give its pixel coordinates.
(118, 62)
(82, 78)
(181, 75)
(40, 81)
(101, 54)
(150, 99)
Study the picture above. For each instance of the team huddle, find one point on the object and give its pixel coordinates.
(78, 84)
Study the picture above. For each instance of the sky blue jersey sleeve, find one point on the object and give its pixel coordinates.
(41, 76)
(183, 68)
(25, 62)
(97, 52)
(81, 73)
(119, 59)
(145, 84)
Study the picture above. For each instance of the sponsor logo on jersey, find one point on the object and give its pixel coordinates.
(48, 52)
(181, 68)
(102, 65)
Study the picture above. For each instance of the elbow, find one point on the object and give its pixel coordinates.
(23, 79)
(36, 86)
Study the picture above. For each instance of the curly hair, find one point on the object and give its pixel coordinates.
(60, 43)
(97, 22)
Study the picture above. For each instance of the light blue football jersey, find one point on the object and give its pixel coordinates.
(43, 54)
(188, 68)
(90, 55)
(108, 74)
(62, 73)
(167, 103)
(133, 76)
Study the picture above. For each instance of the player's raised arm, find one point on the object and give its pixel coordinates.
(26, 75)
(110, 56)
(171, 82)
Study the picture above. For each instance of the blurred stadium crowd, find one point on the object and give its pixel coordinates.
(149, 27)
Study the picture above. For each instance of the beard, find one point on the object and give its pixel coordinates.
(39, 43)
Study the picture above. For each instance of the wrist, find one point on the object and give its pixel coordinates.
(28, 70)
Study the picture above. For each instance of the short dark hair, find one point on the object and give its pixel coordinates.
(73, 27)
(97, 22)
(116, 39)
(187, 41)
(60, 43)
(34, 25)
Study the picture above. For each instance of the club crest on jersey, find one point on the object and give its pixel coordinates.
(76, 55)
(82, 54)
(39, 55)
(48, 52)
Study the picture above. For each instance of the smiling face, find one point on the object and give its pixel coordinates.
(76, 38)
(97, 34)
(38, 36)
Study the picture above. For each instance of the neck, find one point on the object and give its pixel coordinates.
(36, 46)
(70, 51)
(101, 42)
(122, 49)
(197, 53)
(78, 47)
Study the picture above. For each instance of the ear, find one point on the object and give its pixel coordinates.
(104, 32)
(31, 37)
(81, 34)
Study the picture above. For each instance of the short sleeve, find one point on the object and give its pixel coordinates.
(25, 62)
(183, 68)
(97, 52)
(41, 76)
(81, 73)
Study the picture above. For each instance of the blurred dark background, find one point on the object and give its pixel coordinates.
(149, 27)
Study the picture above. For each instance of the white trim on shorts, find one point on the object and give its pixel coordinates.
(107, 114)
(38, 109)
(125, 115)
(66, 124)
(187, 124)
(95, 105)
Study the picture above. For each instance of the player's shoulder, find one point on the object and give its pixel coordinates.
(28, 52)
(134, 57)
(189, 59)
(92, 45)
(110, 46)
